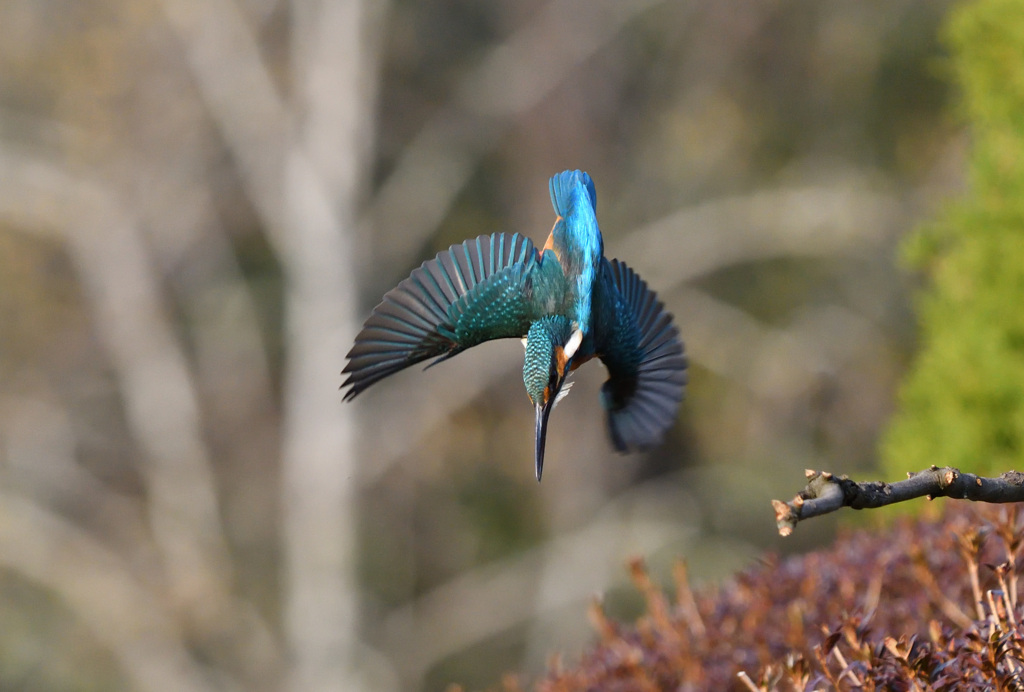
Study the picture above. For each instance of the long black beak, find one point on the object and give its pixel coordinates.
(543, 410)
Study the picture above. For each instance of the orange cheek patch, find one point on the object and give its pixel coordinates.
(549, 244)
(560, 360)
(578, 362)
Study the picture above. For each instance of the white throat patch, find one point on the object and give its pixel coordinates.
(573, 344)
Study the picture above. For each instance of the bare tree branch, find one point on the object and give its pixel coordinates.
(827, 493)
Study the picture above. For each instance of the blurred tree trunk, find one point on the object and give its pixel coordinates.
(302, 163)
(332, 63)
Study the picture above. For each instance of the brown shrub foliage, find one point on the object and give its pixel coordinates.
(926, 605)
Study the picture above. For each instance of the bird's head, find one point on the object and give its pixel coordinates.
(550, 346)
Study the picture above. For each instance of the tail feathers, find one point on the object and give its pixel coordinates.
(564, 185)
(415, 320)
(642, 408)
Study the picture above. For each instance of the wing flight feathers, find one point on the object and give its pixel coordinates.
(648, 376)
(442, 308)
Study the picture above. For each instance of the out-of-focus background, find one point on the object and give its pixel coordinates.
(200, 200)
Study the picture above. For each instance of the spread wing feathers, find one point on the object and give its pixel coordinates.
(468, 294)
(642, 401)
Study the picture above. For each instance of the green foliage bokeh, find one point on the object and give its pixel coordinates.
(963, 401)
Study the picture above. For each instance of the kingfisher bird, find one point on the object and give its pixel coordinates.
(566, 301)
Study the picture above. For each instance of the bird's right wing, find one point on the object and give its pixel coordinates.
(644, 355)
(470, 293)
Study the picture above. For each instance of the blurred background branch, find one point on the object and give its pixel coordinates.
(101, 592)
(199, 202)
(513, 77)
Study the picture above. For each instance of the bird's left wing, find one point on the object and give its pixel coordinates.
(640, 346)
(473, 292)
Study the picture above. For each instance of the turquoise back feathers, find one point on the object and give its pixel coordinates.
(569, 300)
(577, 239)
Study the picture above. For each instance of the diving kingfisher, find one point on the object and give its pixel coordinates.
(566, 301)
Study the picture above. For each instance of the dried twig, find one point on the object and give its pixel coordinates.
(827, 493)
